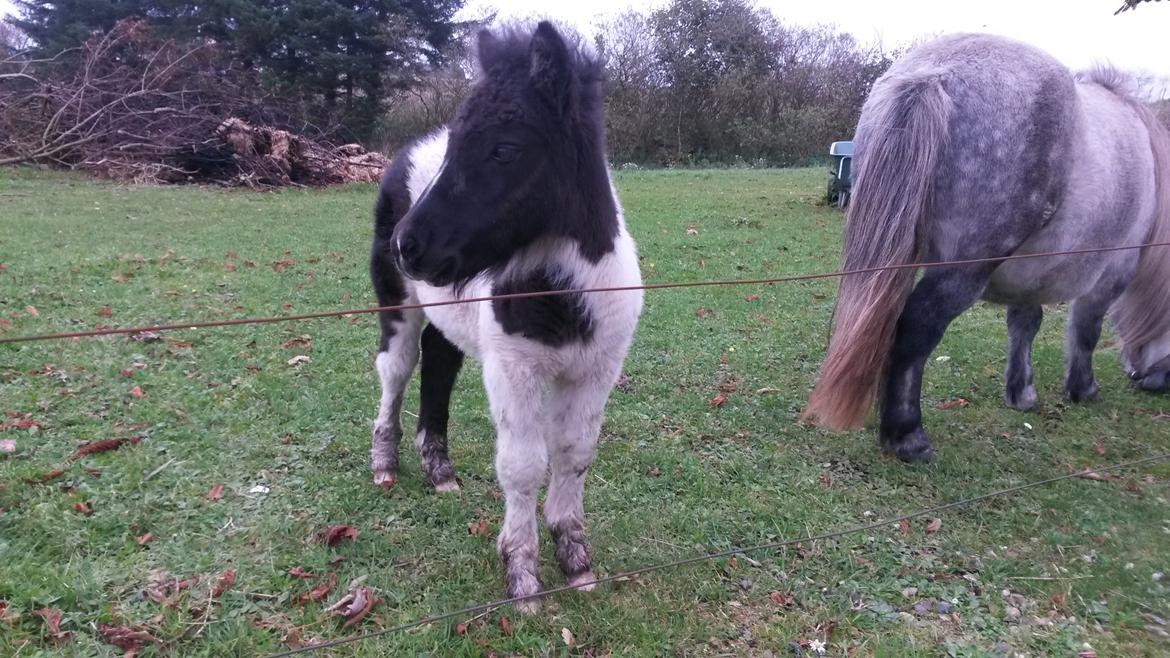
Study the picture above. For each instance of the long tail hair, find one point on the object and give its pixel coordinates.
(1142, 313)
(902, 129)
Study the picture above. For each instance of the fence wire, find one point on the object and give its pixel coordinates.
(551, 293)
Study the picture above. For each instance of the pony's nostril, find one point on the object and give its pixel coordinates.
(408, 248)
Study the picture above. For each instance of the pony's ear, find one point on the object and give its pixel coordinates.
(487, 46)
(549, 67)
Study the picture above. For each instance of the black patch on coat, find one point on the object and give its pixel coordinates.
(393, 202)
(553, 320)
(441, 362)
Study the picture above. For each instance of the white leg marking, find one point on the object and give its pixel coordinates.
(394, 367)
(516, 397)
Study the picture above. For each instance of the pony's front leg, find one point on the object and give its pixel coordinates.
(576, 410)
(397, 355)
(516, 397)
(1081, 335)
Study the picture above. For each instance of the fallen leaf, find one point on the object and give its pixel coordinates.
(1090, 474)
(92, 471)
(702, 312)
(299, 572)
(567, 635)
(47, 477)
(356, 603)
(143, 540)
(505, 625)
(752, 297)
(137, 393)
(230, 254)
(333, 535)
(780, 599)
(127, 638)
(478, 527)
(126, 372)
(145, 337)
(119, 278)
(461, 629)
(249, 263)
(224, 583)
(304, 341)
(105, 312)
(300, 358)
(229, 267)
(32, 310)
(105, 445)
(216, 492)
(904, 526)
(52, 619)
(691, 230)
(281, 264)
(826, 480)
(83, 508)
(320, 591)
(934, 526)
(7, 446)
(179, 344)
(163, 587)
(718, 400)
(286, 306)
(5, 324)
(8, 616)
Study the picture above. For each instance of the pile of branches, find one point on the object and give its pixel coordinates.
(134, 107)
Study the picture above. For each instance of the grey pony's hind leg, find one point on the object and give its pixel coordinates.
(1023, 323)
(940, 297)
(441, 362)
(1084, 330)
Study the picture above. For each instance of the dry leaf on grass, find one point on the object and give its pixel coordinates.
(223, 583)
(299, 572)
(52, 618)
(216, 492)
(104, 445)
(300, 358)
(567, 638)
(127, 638)
(934, 526)
(718, 400)
(47, 477)
(320, 591)
(354, 606)
(335, 533)
(143, 540)
(7, 446)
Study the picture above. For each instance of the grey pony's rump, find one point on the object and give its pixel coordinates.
(1142, 313)
(902, 129)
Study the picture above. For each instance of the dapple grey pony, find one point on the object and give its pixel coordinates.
(975, 146)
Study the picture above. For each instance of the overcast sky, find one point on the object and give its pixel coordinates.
(1078, 32)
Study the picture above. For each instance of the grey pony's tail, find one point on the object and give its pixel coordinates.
(902, 129)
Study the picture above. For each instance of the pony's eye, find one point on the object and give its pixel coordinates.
(505, 153)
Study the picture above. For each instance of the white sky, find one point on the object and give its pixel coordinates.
(1078, 32)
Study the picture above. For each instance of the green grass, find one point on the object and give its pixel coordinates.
(674, 476)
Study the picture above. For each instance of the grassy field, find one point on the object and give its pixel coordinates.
(1043, 573)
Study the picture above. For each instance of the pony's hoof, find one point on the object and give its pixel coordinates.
(384, 479)
(912, 448)
(524, 585)
(583, 582)
(1023, 401)
(450, 486)
(1086, 393)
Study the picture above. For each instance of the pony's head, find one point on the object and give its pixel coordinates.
(1149, 365)
(525, 159)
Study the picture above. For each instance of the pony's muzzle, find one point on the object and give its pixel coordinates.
(417, 262)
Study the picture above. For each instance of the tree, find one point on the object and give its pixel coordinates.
(338, 59)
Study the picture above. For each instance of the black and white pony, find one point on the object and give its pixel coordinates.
(513, 196)
(973, 147)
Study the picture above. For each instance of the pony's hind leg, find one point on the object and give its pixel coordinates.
(441, 362)
(516, 398)
(575, 415)
(1084, 330)
(939, 298)
(1023, 323)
